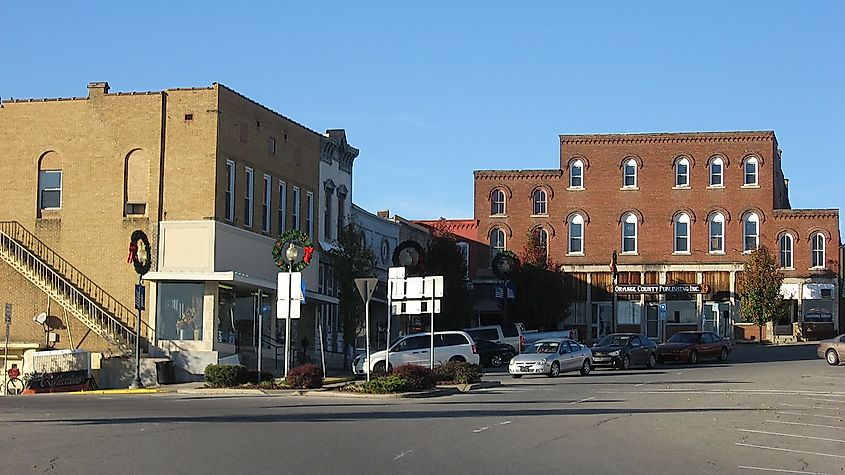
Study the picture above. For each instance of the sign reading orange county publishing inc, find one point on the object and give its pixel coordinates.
(660, 289)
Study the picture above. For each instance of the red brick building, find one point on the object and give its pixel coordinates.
(682, 211)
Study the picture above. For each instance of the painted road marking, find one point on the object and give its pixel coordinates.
(779, 470)
(481, 430)
(838, 418)
(789, 450)
(402, 454)
(806, 424)
(823, 400)
(505, 422)
(792, 435)
(584, 400)
(809, 407)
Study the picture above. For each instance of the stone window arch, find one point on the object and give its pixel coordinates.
(50, 182)
(136, 183)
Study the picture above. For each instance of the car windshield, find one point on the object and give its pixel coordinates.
(685, 338)
(544, 347)
(615, 340)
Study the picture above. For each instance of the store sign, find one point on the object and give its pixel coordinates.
(660, 289)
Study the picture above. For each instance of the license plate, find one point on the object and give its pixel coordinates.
(602, 359)
(525, 369)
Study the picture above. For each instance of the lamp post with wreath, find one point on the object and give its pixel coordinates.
(504, 266)
(140, 258)
(285, 254)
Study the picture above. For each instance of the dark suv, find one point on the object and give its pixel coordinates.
(623, 350)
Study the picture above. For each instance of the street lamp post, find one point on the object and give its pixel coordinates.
(137, 383)
(291, 254)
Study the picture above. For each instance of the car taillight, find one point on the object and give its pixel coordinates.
(521, 343)
(474, 349)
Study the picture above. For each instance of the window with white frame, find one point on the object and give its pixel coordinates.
(497, 241)
(817, 242)
(309, 214)
(576, 234)
(327, 215)
(497, 202)
(248, 197)
(750, 168)
(786, 251)
(630, 174)
(297, 202)
(283, 204)
(230, 190)
(265, 210)
(541, 240)
(629, 233)
(50, 189)
(576, 174)
(751, 232)
(539, 198)
(717, 233)
(716, 172)
(682, 228)
(682, 173)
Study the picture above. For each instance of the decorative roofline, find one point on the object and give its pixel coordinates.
(669, 137)
(516, 174)
(832, 213)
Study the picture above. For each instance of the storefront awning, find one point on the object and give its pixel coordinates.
(231, 276)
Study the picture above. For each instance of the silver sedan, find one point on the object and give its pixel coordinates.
(551, 357)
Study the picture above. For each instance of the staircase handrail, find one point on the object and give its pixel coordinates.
(68, 273)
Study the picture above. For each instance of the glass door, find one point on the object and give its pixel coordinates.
(600, 324)
(651, 321)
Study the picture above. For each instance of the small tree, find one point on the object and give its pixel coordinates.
(444, 258)
(351, 260)
(541, 297)
(759, 289)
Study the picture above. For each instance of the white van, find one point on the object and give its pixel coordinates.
(416, 349)
(507, 333)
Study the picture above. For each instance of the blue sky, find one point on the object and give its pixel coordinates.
(430, 91)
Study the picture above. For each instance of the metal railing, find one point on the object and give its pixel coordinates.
(89, 302)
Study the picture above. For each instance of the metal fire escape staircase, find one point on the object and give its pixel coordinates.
(70, 288)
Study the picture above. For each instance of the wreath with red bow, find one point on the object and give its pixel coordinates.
(297, 238)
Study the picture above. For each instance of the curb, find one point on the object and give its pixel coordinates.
(118, 391)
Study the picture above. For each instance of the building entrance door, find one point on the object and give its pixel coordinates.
(652, 326)
(600, 325)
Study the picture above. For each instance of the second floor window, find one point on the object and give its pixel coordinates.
(50, 189)
(786, 251)
(497, 202)
(497, 241)
(751, 232)
(716, 172)
(576, 174)
(750, 168)
(327, 217)
(309, 214)
(817, 242)
(297, 202)
(230, 190)
(682, 233)
(539, 199)
(576, 234)
(717, 234)
(248, 197)
(283, 204)
(265, 204)
(629, 233)
(630, 172)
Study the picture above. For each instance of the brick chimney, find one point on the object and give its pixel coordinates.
(98, 88)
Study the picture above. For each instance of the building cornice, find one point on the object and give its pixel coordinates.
(517, 174)
(785, 214)
(669, 137)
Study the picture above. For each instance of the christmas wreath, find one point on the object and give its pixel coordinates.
(297, 238)
(505, 264)
(139, 252)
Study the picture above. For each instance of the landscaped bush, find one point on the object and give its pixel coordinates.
(384, 385)
(306, 376)
(253, 376)
(225, 376)
(459, 372)
(418, 377)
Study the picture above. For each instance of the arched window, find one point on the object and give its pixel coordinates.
(629, 233)
(539, 198)
(682, 173)
(750, 167)
(751, 232)
(630, 174)
(497, 202)
(497, 241)
(786, 251)
(818, 250)
(541, 240)
(576, 234)
(716, 172)
(717, 233)
(49, 182)
(576, 174)
(682, 233)
(136, 184)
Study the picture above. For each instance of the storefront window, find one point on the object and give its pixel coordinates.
(681, 312)
(180, 309)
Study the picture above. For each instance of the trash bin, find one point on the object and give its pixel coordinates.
(164, 372)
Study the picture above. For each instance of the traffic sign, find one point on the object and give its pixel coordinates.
(8, 314)
(139, 296)
(366, 286)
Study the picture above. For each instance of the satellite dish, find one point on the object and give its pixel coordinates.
(41, 318)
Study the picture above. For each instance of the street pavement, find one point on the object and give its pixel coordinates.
(766, 410)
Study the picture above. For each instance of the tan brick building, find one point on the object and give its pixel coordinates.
(678, 208)
(211, 176)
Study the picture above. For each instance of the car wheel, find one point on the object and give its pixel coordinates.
(652, 361)
(693, 357)
(555, 371)
(723, 355)
(831, 357)
(458, 358)
(378, 368)
(626, 362)
(586, 368)
(496, 361)
(516, 376)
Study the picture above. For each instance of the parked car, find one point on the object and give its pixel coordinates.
(551, 357)
(507, 333)
(832, 350)
(624, 350)
(494, 354)
(416, 349)
(692, 346)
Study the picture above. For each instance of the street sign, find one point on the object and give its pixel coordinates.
(366, 286)
(139, 296)
(8, 314)
(289, 295)
(661, 311)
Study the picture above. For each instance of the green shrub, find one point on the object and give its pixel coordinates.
(306, 376)
(225, 376)
(418, 377)
(459, 372)
(266, 384)
(385, 385)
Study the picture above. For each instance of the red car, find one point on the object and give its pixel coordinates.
(692, 347)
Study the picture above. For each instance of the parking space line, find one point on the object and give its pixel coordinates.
(584, 400)
(838, 418)
(779, 470)
(792, 435)
(781, 449)
(481, 430)
(806, 424)
(402, 454)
